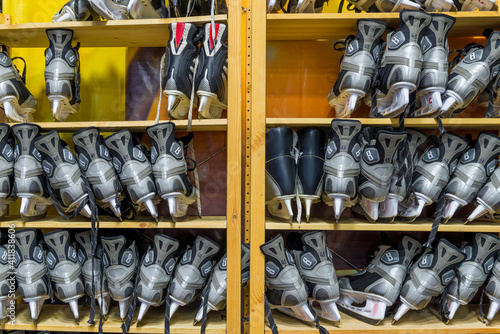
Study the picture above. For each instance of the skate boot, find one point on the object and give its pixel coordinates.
(281, 172)
(145, 9)
(111, 9)
(64, 269)
(6, 169)
(471, 76)
(95, 163)
(473, 5)
(490, 98)
(380, 283)
(473, 272)
(314, 262)
(401, 64)
(488, 198)
(120, 266)
(310, 175)
(434, 76)
(76, 10)
(95, 277)
(64, 175)
(211, 76)
(474, 169)
(134, 170)
(357, 67)
(6, 278)
(374, 6)
(62, 73)
(192, 272)
(180, 56)
(492, 289)
(170, 170)
(155, 272)
(31, 271)
(342, 169)
(30, 183)
(377, 166)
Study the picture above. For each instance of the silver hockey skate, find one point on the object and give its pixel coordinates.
(76, 10)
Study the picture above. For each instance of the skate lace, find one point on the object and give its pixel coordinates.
(23, 75)
(76, 49)
(376, 83)
(462, 53)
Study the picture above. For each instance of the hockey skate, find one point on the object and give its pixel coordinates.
(6, 169)
(281, 172)
(357, 67)
(473, 272)
(471, 76)
(310, 162)
(111, 9)
(7, 279)
(180, 57)
(492, 289)
(62, 73)
(134, 170)
(475, 167)
(76, 10)
(314, 262)
(120, 261)
(429, 276)
(170, 170)
(211, 75)
(488, 198)
(67, 186)
(434, 75)
(95, 164)
(401, 64)
(378, 286)
(31, 271)
(374, 6)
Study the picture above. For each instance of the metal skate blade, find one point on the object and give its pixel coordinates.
(390, 208)
(124, 307)
(446, 110)
(308, 204)
(415, 210)
(173, 307)
(452, 308)
(373, 312)
(431, 103)
(151, 208)
(369, 207)
(57, 108)
(478, 212)
(142, 311)
(302, 312)
(350, 106)
(328, 311)
(36, 308)
(113, 204)
(86, 212)
(173, 102)
(494, 306)
(338, 207)
(104, 307)
(451, 207)
(288, 204)
(173, 205)
(27, 206)
(73, 304)
(199, 314)
(403, 308)
(204, 106)
(359, 316)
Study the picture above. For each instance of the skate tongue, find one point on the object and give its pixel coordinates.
(142, 311)
(338, 207)
(494, 306)
(478, 212)
(450, 209)
(400, 312)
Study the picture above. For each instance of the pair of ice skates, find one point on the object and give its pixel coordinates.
(295, 6)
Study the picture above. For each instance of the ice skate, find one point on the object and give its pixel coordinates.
(180, 56)
(64, 175)
(475, 167)
(314, 262)
(310, 162)
(492, 289)
(379, 285)
(145, 9)
(401, 64)
(429, 276)
(357, 67)
(31, 271)
(134, 170)
(211, 75)
(111, 9)
(434, 76)
(76, 10)
(95, 163)
(471, 76)
(433, 171)
(474, 270)
(488, 198)
(170, 170)
(120, 261)
(281, 172)
(6, 169)
(62, 73)
(7, 279)
(383, 5)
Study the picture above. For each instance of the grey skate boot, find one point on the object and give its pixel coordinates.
(492, 289)
(380, 283)
(343, 152)
(64, 269)
(62, 73)
(281, 172)
(120, 266)
(474, 169)
(155, 272)
(314, 262)
(134, 170)
(6, 169)
(31, 271)
(76, 10)
(471, 76)
(170, 170)
(95, 163)
(7, 280)
(488, 198)
(357, 67)
(480, 257)
(64, 175)
(434, 76)
(111, 9)
(401, 64)
(30, 183)
(429, 276)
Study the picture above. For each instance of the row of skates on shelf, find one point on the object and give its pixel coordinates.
(168, 273)
(412, 77)
(108, 175)
(301, 279)
(194, 72)
(379, 172)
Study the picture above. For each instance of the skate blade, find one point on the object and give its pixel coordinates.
(61, 108)
(338, 207)
(199, 315)
(3, 309)
(450, 209)
(66, 14)
(151, 207)
(142, 310)
(104, 303)
(301, 312)
(449, 105)
(328, 310)
(373, 311)
(358, 316)
(100, 7)
(174, 305)
(73, 304)
(406, 4)
(370, 208)
(85, 211)
(36, 308)
(415, 210)
(209, 106)
(440, 6)
(430, 105)
(115, 207)
(400, 99)
(124, 304)
(388, 209)
(15, 113)
(479, 211)
(177, 104)
(494, 307)
(452, 308)
(278, 211)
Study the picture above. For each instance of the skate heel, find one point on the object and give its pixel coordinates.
(177, 105)
(400, 98)
(209, 107)
(431, 104)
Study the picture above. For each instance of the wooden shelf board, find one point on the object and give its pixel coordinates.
(212, 222)
(117, 33)
(415, 322)
(340, 25)
(58, 318)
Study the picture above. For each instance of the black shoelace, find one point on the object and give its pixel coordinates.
(205, 294)
(133, 301)
(269, 315)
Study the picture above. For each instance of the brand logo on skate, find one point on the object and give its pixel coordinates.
(308, 261)
(176, 150)
(474, 56)
(47, 168)
(390, 257)
(447, 277)
(490, 168)
(272, 270)
(51, 260)
(169, 267)
(206, 269)
(127, 258)
(397, 40)
(371, 155)
(431, 155)
(488, 265)
(81, 257)
(8, 153)
(426, 44)
(330, 150)
(83, 161)
(223, 264)
(3, 255)
(118, 165)
(356, 152)
(426, 261)
(468, 156)
(352, 48)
